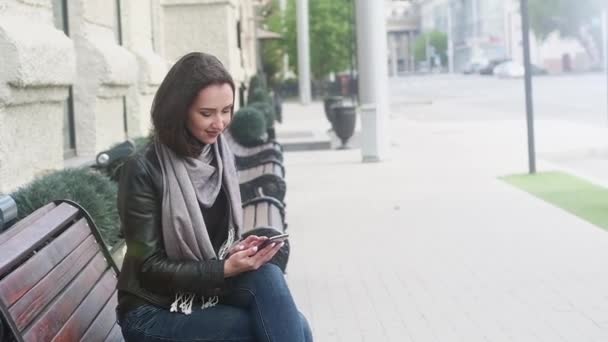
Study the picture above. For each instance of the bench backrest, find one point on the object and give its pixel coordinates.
(57, 279)
(264, 212)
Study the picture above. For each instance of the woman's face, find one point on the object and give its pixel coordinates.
(210, 112)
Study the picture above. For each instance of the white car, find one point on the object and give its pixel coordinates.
(509, 69)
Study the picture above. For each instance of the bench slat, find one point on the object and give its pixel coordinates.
(29, 239)
(277, 170)
(261, 215)
(51, 321)
(275, 218)
(104, 323)
(35, 300)
(26, 221)
(87, 311)
(115, 334)
(22, 279)
(248, 218)
(256, 172)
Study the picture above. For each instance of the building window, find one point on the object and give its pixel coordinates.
(60, 16)
(238, 34)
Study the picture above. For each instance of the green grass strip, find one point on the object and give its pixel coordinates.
(577, 196)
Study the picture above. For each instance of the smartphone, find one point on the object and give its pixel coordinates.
(274, 239)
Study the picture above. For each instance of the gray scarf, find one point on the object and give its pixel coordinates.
(186, 183)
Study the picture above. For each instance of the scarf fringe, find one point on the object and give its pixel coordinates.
(183, 303)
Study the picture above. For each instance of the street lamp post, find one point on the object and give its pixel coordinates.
(525, 24)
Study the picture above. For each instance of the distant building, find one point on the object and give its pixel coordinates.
(491, 29)
(402, 27)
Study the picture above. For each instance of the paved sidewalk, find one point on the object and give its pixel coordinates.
(431, 246)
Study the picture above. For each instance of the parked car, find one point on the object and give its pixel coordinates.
(509, 69)
(489, 68)
(513, 69)
(474, 66)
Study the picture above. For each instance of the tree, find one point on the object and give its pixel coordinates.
(571, 19)
(330, 23)
(273, 50)
(436, 40)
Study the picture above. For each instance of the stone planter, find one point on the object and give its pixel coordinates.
(344, 122)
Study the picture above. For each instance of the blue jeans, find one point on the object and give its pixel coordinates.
(257, 307)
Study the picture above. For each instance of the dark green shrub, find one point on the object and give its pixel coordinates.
(256, 82)
(260, 95)
(92, 190)
(267, 110)
(248, 127)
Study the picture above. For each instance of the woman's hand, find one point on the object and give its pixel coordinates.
(248, 242)
(249, 259)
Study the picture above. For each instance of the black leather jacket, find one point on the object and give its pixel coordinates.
(147, 275)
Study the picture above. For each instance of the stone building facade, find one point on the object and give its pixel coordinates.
(77, 76)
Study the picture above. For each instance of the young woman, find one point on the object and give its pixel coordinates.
(186, 275)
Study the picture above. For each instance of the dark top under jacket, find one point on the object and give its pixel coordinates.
(147, 275)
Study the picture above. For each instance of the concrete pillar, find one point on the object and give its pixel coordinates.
(105, 70)
(605, 45)
(137, 24)
(38, 65)
(475, 19)
(450, 38)
(393, 46)
(283, 8)
(304, 51)
(373, 79)
(410, 51)
(208, 26)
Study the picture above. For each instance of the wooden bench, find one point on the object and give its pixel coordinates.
(248, 157)
(57, 278)
(266, 216)
(263, 180)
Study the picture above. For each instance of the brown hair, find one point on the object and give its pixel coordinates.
(188, 76)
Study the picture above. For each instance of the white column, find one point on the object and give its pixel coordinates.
(303, 52)
(393, 51)
(605, 43)
(475, 19)
(283, 7)
(605, 38)
(450, 38)
(373, 79)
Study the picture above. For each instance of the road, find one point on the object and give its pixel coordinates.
(577, 98)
